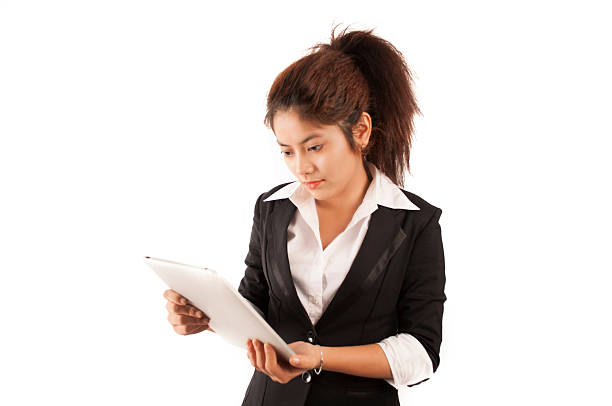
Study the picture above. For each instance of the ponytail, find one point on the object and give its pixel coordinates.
(356, 72)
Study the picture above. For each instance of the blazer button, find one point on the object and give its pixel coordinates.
(310, 336)
(306, 377)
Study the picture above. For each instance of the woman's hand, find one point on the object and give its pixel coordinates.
(263, 358)
(184, 317)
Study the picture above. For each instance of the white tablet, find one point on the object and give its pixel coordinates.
(231, 315)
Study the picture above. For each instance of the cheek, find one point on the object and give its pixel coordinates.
(291, 166)
(328, 161)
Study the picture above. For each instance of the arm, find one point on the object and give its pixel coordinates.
(412, 356)
(422, 297)
(367, 360)
(257, 309)
(253, 285)
(410, 363)
(361, 360)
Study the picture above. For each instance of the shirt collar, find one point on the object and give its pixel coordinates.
(382, 191)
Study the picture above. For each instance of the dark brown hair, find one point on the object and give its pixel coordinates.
(334, 83)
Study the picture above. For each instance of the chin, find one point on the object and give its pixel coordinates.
(315, 193)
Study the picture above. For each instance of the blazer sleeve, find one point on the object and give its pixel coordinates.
(422, 297)
(253, 285)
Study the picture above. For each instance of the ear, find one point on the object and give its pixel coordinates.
(362, 129)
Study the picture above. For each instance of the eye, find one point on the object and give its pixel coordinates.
(314, 148)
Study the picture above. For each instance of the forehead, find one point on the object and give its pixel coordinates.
(290, 129)
(290, 121)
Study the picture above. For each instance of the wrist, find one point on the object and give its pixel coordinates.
(319, 352)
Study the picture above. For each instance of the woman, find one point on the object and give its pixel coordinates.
(345, 265)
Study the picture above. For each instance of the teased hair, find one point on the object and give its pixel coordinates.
(334, 83)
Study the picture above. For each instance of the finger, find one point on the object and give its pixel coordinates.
(271, 363)
(185, 330)
(260, 356)
(174, 297)
(179, 319)
(187, 310)
(250, 352)
(195, 329)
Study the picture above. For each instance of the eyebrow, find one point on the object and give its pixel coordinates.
(303, 141)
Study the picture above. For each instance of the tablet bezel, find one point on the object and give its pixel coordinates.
(167, 269)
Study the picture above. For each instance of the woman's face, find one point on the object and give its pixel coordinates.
(318, 153)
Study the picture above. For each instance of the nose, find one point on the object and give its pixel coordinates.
(302, 165)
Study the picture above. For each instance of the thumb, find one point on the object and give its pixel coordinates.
(295, 361)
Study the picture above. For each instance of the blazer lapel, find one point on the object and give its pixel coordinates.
(383, 238)
(277, 258)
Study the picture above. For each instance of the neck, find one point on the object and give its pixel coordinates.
(352, 196)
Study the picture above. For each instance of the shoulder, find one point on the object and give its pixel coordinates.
(421, 203)
(263, 196)
(270, 192)
(427, 212)
(260, 203)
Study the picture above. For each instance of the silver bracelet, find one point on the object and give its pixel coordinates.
(320, 366)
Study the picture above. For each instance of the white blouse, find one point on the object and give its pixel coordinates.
(317, 273)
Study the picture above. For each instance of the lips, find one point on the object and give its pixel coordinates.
(313, 184)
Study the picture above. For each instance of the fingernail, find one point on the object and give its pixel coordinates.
(296, 360)
(183, 301)
(200, 314)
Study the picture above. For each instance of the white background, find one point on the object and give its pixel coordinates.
(132, 128)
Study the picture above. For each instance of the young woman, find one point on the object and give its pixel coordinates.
(343, 263)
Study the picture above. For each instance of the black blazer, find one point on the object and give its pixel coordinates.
(394, 285)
